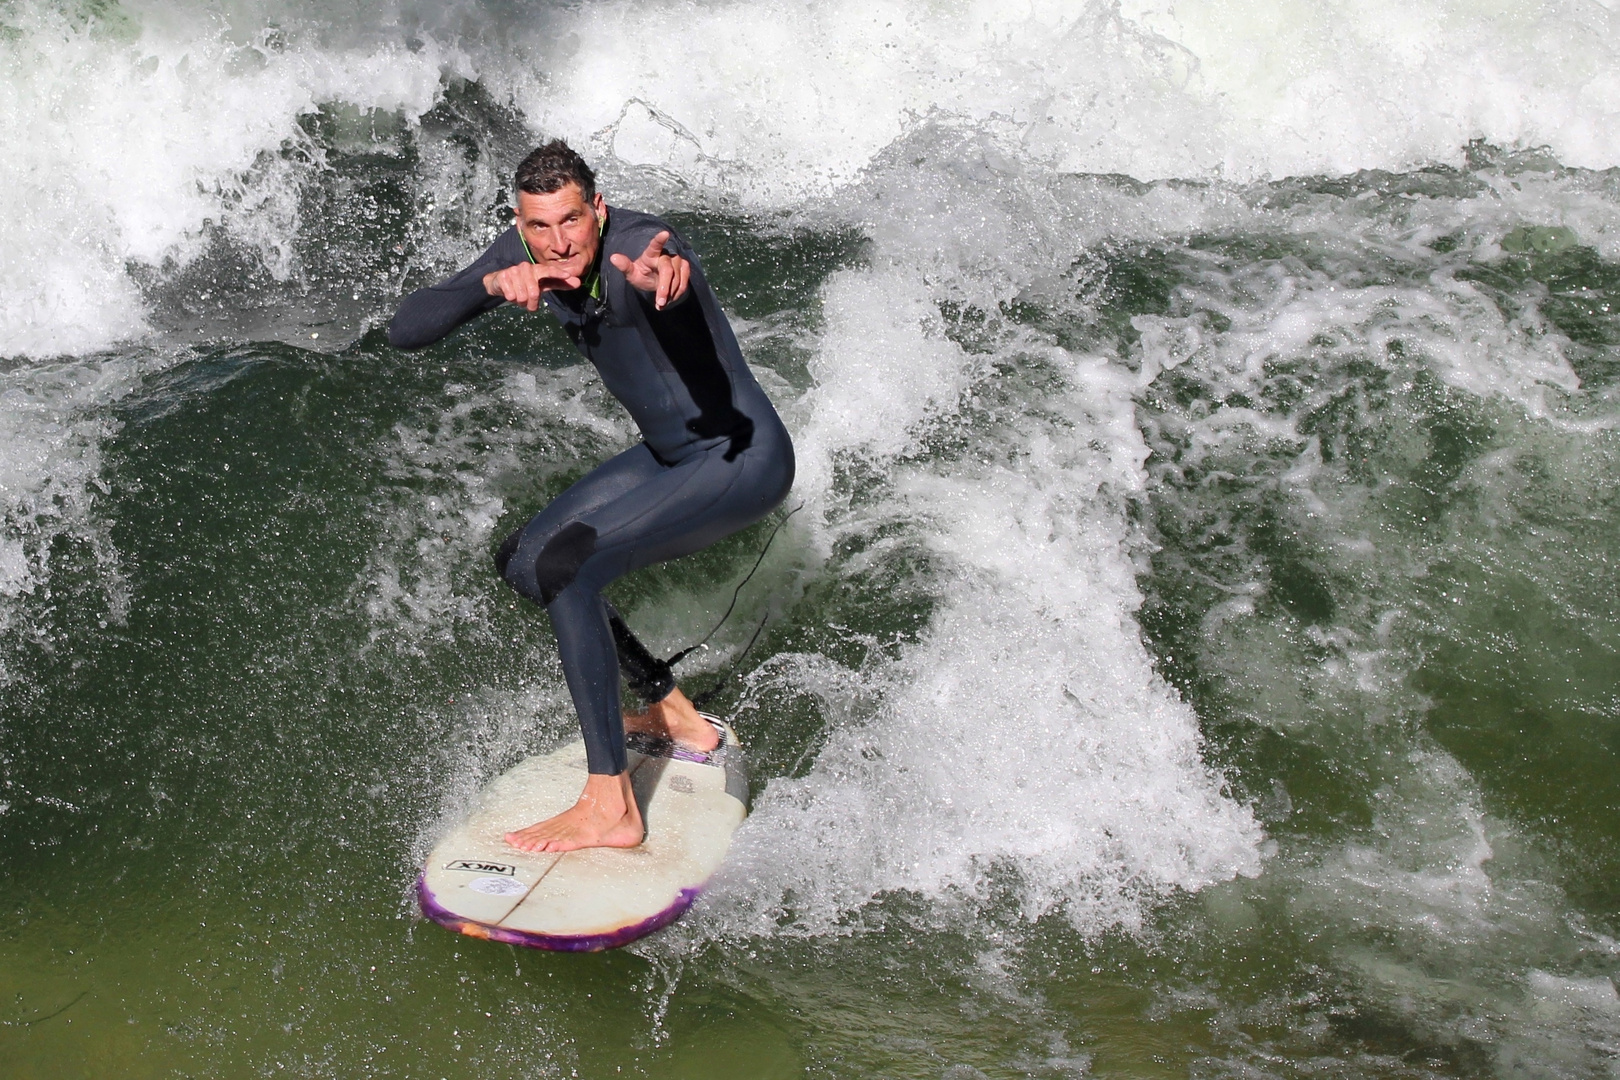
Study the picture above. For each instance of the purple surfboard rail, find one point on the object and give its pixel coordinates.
(611, 939)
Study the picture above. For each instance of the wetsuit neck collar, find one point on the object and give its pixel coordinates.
(593, 282)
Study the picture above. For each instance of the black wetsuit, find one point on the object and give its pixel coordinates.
(715, 458)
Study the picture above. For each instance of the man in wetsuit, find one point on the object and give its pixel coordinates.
(714, 456)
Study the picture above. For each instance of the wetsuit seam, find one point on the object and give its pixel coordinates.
(628, 525)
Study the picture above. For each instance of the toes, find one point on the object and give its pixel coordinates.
(526, 843)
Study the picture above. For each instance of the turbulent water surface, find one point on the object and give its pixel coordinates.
(1195, 655)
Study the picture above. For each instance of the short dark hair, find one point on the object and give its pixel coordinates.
(553, 166)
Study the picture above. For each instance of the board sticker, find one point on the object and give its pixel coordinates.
(498, 886)
(478, 866)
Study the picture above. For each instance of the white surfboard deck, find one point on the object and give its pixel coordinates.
(597, 898)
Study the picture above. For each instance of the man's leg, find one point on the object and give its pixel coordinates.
(668, 713)
(565, 564)
(606, 814)
(649, 677)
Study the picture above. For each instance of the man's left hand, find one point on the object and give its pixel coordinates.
(662, 273)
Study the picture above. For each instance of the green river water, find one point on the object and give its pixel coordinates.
(1198, 654)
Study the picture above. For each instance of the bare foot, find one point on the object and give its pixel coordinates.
(605, 816)
(675, 718)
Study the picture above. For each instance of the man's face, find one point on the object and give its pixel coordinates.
(561, 229)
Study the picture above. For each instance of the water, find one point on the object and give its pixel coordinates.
(1195, 655)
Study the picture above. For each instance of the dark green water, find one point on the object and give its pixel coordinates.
(1196, 655)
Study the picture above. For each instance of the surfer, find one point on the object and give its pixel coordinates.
(714, 456)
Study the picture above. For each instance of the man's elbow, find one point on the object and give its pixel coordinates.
(403, 335)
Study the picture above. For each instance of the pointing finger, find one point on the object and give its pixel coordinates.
(673, 274)
(655, 247)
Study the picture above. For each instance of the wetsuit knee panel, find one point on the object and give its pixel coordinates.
(508, 548)
(562, 556)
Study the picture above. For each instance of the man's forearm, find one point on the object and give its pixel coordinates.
(429, 314)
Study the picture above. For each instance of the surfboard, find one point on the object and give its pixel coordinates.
(598, 898)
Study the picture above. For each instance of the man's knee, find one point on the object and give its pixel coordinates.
(504, 553)
(548, 573)
(557, 564)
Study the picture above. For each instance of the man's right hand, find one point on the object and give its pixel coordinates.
(524, 283)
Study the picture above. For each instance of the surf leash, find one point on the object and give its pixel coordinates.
(713, 692)
(690, 649)
(652, 678)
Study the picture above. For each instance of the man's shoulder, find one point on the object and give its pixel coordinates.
(632, 228)
(509, 246)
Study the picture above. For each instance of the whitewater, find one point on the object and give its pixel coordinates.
(1194, 653)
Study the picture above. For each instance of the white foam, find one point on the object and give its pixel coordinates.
(1025, 735)
(52, 423)
(125, 138)
(860, 402)
(128, 133)
(1593, 995)
(798, 98)
(1462, 333)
